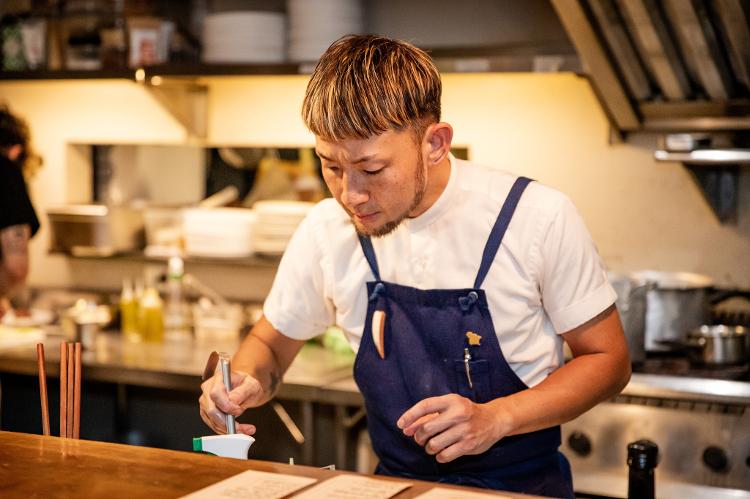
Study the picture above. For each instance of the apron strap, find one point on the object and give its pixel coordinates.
(369, 252)
(501, 225)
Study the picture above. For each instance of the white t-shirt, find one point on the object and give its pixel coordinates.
(546, 279)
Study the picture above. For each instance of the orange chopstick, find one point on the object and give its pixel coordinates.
(71, 375)
(77, 396)
(42, 387)
(63, 389)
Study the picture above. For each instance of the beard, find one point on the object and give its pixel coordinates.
(420, 187)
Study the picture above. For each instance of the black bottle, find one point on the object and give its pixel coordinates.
(642, 457)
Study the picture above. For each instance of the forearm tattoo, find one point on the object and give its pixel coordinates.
(275, 381)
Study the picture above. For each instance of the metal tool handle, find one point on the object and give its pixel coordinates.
(226, 371)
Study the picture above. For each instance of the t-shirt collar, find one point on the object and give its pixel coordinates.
(440, 206)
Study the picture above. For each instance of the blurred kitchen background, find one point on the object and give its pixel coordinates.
(150, 114)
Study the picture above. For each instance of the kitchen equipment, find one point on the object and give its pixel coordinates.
(700, 426)
(277, 222)
(676, 303)
(219, 232)
(244, 37)
(93, 229)
(313, 26)
(719, 345)
(83, 321)
(215, 322)
(232, 444)
(631, 304)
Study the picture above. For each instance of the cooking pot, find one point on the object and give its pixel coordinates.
(676, 303)
(718, 345)
(631, 304)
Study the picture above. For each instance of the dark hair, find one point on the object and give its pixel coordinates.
(364, 85)
(15, 131)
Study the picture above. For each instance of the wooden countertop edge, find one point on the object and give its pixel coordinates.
(47, 466)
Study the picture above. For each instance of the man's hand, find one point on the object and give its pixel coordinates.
(452, 426)
(215, 402)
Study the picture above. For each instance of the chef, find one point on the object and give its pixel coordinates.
(18, 220)
(456, 285)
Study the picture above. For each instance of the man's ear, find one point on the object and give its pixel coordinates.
(438, 142)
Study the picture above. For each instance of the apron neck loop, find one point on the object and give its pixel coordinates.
(369, 252)
(378, 291)
(498, 231)
(466, 302)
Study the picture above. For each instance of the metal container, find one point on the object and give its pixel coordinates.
(93, 229)
(676, 304)
(631, 304)
(719, 345)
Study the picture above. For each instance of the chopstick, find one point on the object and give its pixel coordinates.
(64, 389)
(43, 387)
(70, 390)
(77, 397)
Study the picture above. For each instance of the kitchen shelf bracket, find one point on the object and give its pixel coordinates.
(184, 98)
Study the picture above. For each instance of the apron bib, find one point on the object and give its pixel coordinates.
(428, 343)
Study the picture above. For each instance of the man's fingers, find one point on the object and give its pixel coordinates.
(441, 441)
(248, 390)
(422, 408)
(217, 426)
(247, 429)
(219, 396)
(427, 427)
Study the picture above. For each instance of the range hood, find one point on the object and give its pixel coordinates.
(676, 67)
(665, 66)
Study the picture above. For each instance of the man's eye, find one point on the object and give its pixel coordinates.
(373, 172)
(332, 168)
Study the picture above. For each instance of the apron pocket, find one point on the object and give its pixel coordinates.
(479, 389)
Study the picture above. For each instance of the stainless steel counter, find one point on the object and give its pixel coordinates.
(176, 366)
(316, 374)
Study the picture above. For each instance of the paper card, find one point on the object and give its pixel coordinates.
(442, 493)
(354, 487)
(252, 484)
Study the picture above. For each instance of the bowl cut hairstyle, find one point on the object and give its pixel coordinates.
(365, 85)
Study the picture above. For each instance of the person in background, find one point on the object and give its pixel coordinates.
(463, 383)
(18, 220)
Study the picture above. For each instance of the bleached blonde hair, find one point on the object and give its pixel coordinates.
(364, 85)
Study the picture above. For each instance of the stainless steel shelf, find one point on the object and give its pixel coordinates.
(251, 261)
(706, 156)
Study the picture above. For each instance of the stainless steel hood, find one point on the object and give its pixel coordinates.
(665, 66)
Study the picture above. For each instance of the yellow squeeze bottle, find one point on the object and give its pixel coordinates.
(129, 313)
(151, 316)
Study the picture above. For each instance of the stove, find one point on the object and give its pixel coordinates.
(698, 416)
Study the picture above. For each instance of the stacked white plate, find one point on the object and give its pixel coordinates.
(244, 37)
(313, 26)
(219, 232)
(276, 223)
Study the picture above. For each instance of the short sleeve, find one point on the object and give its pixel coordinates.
(573, 281)
(296, 305)
(15, 205)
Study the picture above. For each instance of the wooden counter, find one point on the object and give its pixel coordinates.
(38, 466)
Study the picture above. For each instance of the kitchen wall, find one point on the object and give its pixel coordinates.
(642, 214)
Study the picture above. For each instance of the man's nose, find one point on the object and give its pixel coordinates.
(353, 192)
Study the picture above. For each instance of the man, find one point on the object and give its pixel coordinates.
(18, 221)
(462, 383)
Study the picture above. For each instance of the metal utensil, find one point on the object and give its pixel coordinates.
(225, 361)
(213, 360)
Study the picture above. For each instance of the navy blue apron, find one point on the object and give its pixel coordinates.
(427, 353)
